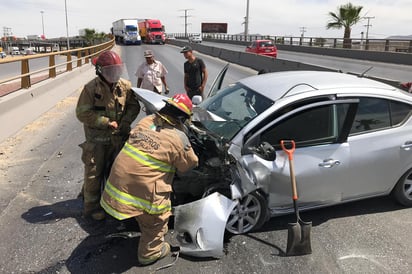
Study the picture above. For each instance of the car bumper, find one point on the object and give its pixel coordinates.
(200, 225)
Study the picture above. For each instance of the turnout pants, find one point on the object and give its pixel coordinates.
(97, 159)
(153, 228)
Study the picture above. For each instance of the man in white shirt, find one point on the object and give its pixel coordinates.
(151, 74)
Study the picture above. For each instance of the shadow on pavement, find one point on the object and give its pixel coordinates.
(110, 247)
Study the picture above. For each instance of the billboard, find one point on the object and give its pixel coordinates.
(214, 27)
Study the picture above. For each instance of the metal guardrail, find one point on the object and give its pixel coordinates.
(83, 57)
(386, 45)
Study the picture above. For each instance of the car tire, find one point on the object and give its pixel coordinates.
(402, 192)
(250, 214)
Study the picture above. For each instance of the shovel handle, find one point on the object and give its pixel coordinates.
(289, 152)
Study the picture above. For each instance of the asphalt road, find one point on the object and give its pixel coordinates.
(42, 231)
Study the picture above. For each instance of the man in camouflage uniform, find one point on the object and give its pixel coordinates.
(107, 106)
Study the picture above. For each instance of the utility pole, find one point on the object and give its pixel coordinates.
(368, 25)
(302, 30)
(186, 10)
(42, 22)
(247, 19)
(67, 26)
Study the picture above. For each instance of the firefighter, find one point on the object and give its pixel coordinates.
(140, 180)
(107, 106)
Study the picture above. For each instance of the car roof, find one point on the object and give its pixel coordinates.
(281, 84)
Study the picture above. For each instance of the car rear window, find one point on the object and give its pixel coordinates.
(266, 44)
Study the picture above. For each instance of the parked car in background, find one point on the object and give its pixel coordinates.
(353, 139)
(263, 47)
(195, 38)
(170, 37)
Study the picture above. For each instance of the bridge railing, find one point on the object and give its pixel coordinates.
(78, 56)
(387, 45)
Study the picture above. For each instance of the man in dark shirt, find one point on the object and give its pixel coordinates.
(195, 73)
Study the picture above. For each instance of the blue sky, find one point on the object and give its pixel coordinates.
(271, 17)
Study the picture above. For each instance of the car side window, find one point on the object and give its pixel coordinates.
(399, 112)
(375, 113)
(318, 125)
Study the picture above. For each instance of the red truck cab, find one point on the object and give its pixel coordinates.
(152, 31)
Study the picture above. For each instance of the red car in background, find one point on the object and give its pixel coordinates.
(263, 47)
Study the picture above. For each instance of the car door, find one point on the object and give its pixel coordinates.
(321, 158)
(379, 142)
(217, 83)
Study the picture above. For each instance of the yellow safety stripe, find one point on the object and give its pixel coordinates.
(114, 213)
(130, 200)
(146, 159)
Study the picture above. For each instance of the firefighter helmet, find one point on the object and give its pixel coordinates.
(182, 102)
(110, 66)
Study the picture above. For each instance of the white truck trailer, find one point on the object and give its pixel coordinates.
(126, 31)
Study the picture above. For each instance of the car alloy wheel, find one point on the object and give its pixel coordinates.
(403, 189)
(248, 215)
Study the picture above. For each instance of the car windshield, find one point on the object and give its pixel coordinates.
(231, 109)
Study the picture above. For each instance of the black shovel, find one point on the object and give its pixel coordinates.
(299, 232)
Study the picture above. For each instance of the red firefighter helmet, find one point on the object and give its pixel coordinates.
(182, 102)
(110, 66)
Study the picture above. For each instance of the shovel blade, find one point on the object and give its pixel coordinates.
(299, 239)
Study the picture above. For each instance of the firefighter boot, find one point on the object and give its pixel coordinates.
(94, 211)
(150, 260)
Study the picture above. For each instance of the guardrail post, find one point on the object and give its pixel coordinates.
(334, 43)
(69, 66)
(52, 69)
(79, 58)
(386, 45)
(87, 56)
(410, 47)
(25, 80)
(367, 44)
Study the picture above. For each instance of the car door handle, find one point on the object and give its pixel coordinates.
(407, 145)
(329, 163)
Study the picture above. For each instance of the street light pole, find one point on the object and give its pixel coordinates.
(247, 19)
(42, 22)
(67, 26)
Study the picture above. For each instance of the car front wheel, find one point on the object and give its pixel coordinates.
(250, 214)
(403, 189)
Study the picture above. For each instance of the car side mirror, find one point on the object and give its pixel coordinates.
(197, 99)
(263, 150)
(266, 151)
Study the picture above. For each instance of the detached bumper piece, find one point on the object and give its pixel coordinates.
(200, 225)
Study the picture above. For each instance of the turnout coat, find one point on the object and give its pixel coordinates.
(142, 173)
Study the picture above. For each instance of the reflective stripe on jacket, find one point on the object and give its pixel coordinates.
(128, 199)
(146, 159)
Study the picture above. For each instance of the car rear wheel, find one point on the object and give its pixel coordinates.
(250, 214)
(403, 189)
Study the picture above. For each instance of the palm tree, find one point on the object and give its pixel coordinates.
(346, 16)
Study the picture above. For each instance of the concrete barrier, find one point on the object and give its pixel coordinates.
(253, 61)
(258, 62)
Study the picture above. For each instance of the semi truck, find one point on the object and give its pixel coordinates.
(126, 31)
(152, 31)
